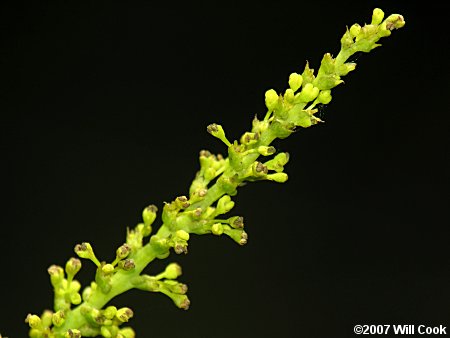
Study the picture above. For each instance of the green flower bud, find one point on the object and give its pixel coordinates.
(84, 250)
(355, 30)
(75, 298)
(278, 177)
(33, 321)
(104, 330)
(56, 275)
(73, 265)
(289, 95)
(224, 205)
(160, 245)
(46, 318)
(210, 173)
(146, 283)
(259, 126)
(143, 229)
(308, 74)
(134, 238)
(73, 334)
(347, 40)
(172, 271)
(377, 16)
(216, 130)
(271, 99)
(74, 286)
(301, 118)
(182, 235)
(228, 184)
(149, 214)
(295, 81)
(278, 162)
(345, 68)
(123, 251)
(308, 93)
(217, 229)
(86, 293)
(127, 332)
(110, 312)
(124, 314)
(108, 269)
(34, 333)
(236, 222)
(324, 97)
(266, 151)
(58, 318)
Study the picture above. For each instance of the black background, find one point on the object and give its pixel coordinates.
(104, 108)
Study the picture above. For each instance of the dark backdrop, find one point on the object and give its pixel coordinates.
(104, 108)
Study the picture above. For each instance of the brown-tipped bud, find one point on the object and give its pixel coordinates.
(238, 235)
(202, 192)
(236, 222)
(259, 169)
(58, 318)
(212, 128)
(73, 265)
(266, 151)
(244, 238)
(182, 202)
(175, 287)
(123, 251)
(205, 153)
(72, 334)
(180, 248)
(84, 250)
(124, 314)
(149, 214)
(394, 21)
(216, 130)
(127, 264)
(249, 138)
(56, 275)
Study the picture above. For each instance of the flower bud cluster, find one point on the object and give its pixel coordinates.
(364, 39)
(135, 236)
(250, 158)
(210, 167)
(166, 283)
(66, 290)
(106, 322)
